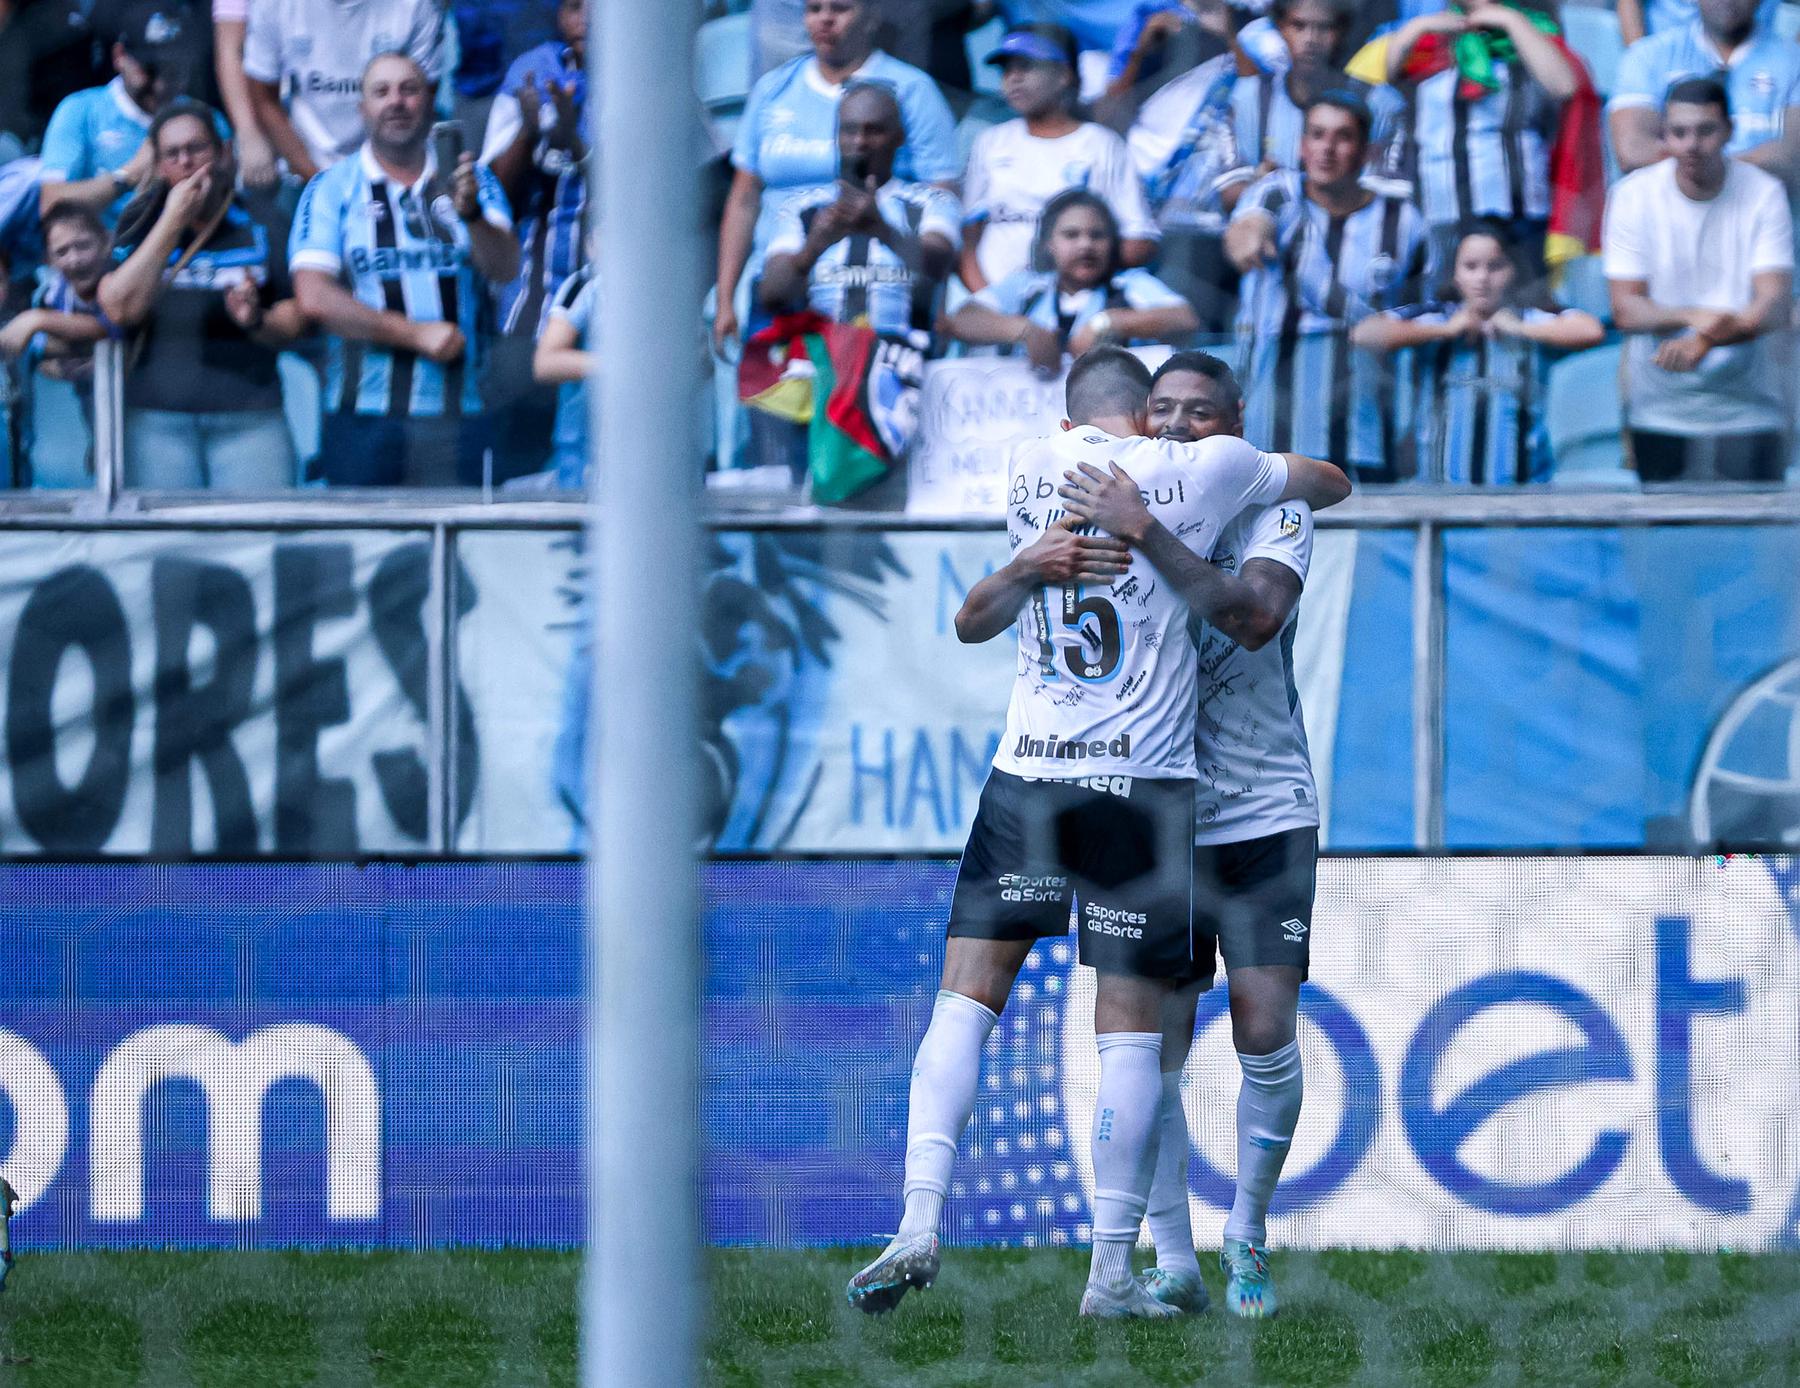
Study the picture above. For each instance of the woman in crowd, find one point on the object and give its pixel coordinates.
(1479, 369)
(787, 140)
(1018, 166)
(1484, 116)
(203, 292)
(1078, 293)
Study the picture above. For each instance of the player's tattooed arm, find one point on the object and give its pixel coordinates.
(1059, 555)
(1249, 609)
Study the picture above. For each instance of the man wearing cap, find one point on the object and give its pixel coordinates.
(1017, 167)
(94, 150)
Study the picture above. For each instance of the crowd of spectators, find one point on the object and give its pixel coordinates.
(375, 212)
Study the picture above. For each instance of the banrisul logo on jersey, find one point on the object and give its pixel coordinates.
(1618, 1071)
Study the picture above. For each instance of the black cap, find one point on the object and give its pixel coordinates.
(165, 32)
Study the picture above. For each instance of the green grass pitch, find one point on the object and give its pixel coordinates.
(1001, 1318)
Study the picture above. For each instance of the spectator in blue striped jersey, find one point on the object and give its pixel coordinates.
(1479, 368)
(391, 256)
(1268, 109)
(874, 249)
(1077, 294)
(535, 148)
(1480, 139)
(1319, 253)
(1761, 73)
(65, 319)
(563, 359)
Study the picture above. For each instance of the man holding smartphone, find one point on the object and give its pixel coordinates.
(391, 254)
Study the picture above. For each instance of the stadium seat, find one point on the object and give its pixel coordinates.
(979, 43)
(1584, 287)
(1594, 34)
(1584, 418)
(722, 63)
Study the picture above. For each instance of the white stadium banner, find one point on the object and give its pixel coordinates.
(971, 412)
(1523, 1053)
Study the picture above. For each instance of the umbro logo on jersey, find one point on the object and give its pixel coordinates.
(1294, 930)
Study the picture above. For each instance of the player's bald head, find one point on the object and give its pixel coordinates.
(1106, 383)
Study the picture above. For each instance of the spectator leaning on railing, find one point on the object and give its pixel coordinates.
(203, 287)
(391, 257)
(1760, 72)
(65, 319)
(1478, 369)
(1700, 257)
(1319, 253)
(95, 152)
(305, 60)
(1076, 296)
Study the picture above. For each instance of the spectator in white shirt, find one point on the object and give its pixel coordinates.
(1699, 253)
(1016, 168)
(305, 60)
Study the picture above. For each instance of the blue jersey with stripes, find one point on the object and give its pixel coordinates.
(1307, 389)
(552, 210)
(858, 279)
(1034, 295)
(1269, 123)
(1479, 406)
(402, 248)
(1483, 157)
(1762, 78)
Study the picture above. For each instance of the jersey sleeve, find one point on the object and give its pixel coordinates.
(789, 232)
(1263, 198)
(941, 215)
(495, 209)
(1772, 233)
(230, 11)
(577, 309)
(976, 185)
(65, 150)
(425, 42)
(504, 122)
(1144, 290)
(1235, 474)
(262, 44)
(1625, 256)
(1634, 84)
(1005, 295)
(1283, 533)
(930, 132)
(317, 240)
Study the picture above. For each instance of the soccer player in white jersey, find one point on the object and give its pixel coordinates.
(1090, 801)
(1256, 835)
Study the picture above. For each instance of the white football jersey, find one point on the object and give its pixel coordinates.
(1255, 774)
(316, 50)
(1106, 682)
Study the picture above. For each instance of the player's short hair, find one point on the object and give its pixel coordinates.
(1105, 381)
(1202, 364)
(1699, 91)
(74, 214)
(1351, 104)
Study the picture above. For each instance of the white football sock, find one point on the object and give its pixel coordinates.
(1125, 1119)
(1268, 1107)
(944, 1075)
(1171, 1226)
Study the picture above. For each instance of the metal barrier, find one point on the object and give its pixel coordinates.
(443, 516)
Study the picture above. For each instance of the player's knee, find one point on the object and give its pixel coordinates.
(1261, 1033)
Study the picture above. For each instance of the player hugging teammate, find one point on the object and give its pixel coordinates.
(1127, 550)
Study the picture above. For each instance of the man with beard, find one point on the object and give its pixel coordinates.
(392, 256)
(1256, 829)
